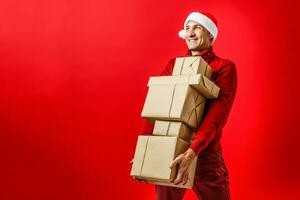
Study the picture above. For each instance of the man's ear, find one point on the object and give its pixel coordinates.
(211, 38)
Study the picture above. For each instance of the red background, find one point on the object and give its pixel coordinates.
(73, 80)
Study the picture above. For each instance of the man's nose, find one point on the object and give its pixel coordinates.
(190, 32)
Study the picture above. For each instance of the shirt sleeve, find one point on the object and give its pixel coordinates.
(167, 71)
(218, 109)
(148, 125)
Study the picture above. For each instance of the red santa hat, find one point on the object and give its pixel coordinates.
(207, 20)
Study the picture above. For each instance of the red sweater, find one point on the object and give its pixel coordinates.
(209, 133)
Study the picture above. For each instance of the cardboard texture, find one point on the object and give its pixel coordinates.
(171, 128)
(201, 83)
(153, 157)
(191, 65)
(174, 103)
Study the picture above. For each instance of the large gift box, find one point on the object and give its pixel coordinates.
(201, 83)
(174, 102)
(153, 157)
(178, 98)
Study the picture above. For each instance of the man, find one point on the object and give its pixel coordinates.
(211, 176)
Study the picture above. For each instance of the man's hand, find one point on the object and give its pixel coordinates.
(140, 180)
(183, 161)
(131, 162)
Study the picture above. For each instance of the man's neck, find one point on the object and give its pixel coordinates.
(193, 53)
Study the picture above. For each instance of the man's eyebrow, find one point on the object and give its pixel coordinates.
(194, 25)
(188, 26)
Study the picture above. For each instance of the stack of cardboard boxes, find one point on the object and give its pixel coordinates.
(176, 105)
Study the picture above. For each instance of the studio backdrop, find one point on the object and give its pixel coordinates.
(73, 80)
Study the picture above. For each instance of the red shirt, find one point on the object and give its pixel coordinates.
(207, 137)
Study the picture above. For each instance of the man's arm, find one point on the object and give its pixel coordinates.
(219, 109)
(213, 121)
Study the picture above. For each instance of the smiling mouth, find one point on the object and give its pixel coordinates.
(193, 40)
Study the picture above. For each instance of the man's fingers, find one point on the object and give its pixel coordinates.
(131, 162)
(176, 161)
(185, 179)
(182, 179)
(182, 176)
(140, 180)
(178, 180)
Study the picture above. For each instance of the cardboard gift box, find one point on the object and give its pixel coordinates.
(191, 65)
(175, 103)
(153, 157)
(171, 128)
(198, 81)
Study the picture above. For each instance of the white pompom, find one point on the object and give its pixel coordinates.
(182, 34)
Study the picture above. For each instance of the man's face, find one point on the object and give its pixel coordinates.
(197, 37)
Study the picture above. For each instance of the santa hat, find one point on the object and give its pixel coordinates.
(207, 20)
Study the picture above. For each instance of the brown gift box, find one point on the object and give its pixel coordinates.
(171, 128)
(153, 157)
(198, 81)
(192, 65)
(174, 103)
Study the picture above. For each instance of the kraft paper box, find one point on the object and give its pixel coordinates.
(171, 128)
(153, 157)
(192, 65)
(201, 83)
(174, 103)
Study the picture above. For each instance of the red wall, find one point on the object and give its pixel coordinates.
(73, 80)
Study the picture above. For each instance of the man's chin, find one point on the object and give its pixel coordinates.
(194, 49)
